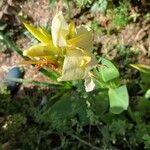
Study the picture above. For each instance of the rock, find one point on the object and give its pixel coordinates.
(15, 72)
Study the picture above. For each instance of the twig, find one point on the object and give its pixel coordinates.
(84, 142)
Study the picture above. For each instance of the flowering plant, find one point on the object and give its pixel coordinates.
(68, 51)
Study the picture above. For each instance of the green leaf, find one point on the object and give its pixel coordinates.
(108, 71)
(119, 99)
(147, 94)
(50, 74)
(100, 104)
(143, 105)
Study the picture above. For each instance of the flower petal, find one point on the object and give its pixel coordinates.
(71, 67)
(83, 39)
(39, 33)
(72, 30)
(43, 36)
(89, 84)
(38, 50)
(77, 64)
(59, 30)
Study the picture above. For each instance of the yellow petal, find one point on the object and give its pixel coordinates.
(72, 30)
(83, 39)
(38, 50)
(85, 61)
(43, 36)
(38, 33)
(72, 69)
(59, 30)
(71, 66)
(45, 33)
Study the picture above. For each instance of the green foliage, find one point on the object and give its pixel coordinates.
(107, 76)
(3, 45)
(83, 3)
(67, 117)
(146, 139)
(108, 71)
(100, 6)
(119, 99)
(120, 15)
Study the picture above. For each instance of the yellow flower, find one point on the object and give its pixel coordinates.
(72, 44)
(79, 59)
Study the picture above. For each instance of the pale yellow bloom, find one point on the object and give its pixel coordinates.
(72, 44)
(79, 59)
(59, 30)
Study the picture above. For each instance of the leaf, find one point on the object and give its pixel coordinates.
(143, 105)
(142, 68)
(119, 99)
(145, 75)
(108, 71)
(50, 74)
(64, 107)
(147, 94)
(100, 103)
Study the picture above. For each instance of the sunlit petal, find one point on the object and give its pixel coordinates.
(38, 33)
(83, 39)
(59, 30)
(72, 30)
(76, 65)
(38, 50)
(71, 67)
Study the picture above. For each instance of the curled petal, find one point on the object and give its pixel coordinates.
(89, 84)
(59, 30)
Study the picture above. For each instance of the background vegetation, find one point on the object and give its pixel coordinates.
(44, 116)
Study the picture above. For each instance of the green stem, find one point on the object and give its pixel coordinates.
(85, 142)
(131, 114)
(11, 45)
